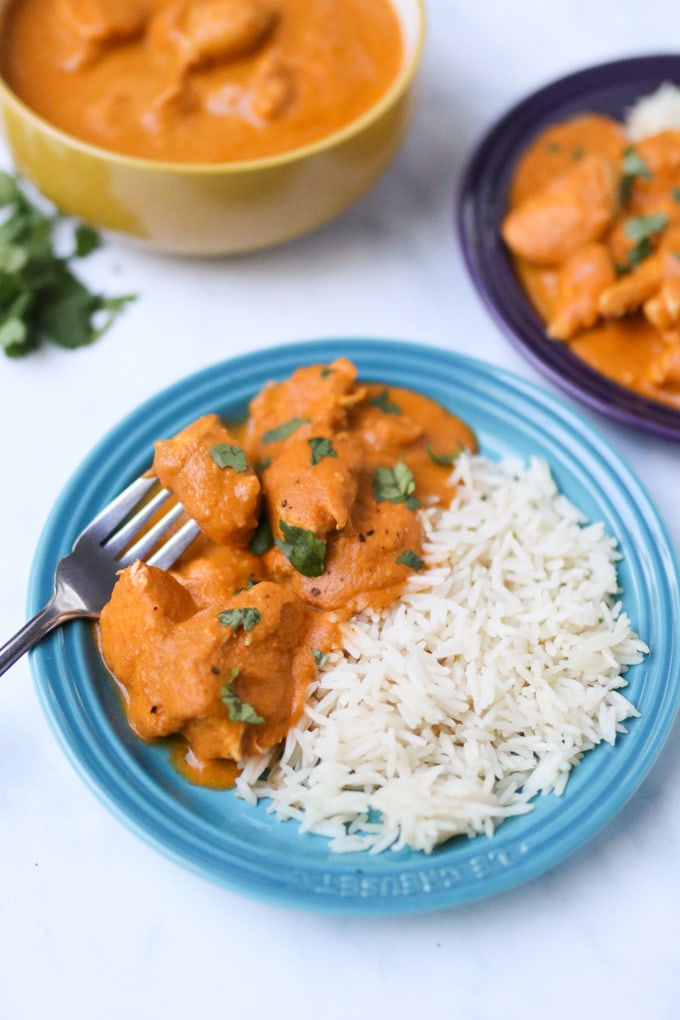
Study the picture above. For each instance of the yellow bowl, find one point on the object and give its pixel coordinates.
(218, 209)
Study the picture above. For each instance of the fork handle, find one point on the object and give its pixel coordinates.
(49, 617)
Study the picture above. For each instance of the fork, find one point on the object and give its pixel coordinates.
(84, 579)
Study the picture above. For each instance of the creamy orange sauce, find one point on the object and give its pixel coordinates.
(200, 81)
(580, 200)
(221, 650)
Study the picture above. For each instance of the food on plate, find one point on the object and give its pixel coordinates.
(308, 513)
(395, 639)
(593, 225)
(449, 711)
(200, 81)
(42, 299)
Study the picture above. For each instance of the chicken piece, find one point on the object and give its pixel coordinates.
(312, 484)
(231, 682)
(100, 21)
(92, 27)
(663, 308)
(577, 208)
(212, 573)
(630, 292)
(224, 501)
(145, 606)
(555, 151)
(664, 371)
(208, 32)
(581, 279)
(272, 86)
(316, 395)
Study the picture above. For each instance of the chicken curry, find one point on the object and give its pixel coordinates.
(594, 229)
(200, 81)
(308, 514)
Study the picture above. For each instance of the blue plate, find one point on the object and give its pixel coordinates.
(244, 847)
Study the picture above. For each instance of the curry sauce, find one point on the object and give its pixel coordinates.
(594, 228)
(200, 81)
(309, 514)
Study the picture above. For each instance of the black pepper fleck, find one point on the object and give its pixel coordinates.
(284, 502)
(153, 709)
(215, 670)
(362, 537)
(315, 591)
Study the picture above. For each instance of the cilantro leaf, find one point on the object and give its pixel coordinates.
(632, 166)
(260, 466)
(641, 230)
(321, 447)
(302, 549)
(225, 455)
(320, 658)
(283, 431)
(382, 401)
(262, 539)
(445, 459)
(239, 710)
(395, 485)
(411, 559)
(246, 617)
(40, 298)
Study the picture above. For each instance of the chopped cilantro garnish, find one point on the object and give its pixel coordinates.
(260, 466)
(40, 298)
(326, 371)
(321, 447)
(303, 549)
(383, 401)
(246, 617)
(239, 710)
(445, 459)
(641, 230)
(676, 194)
(632, 166)
(411, 559)
(262, 539)
(395, 485)
(226, 455)
(320, 658)
(283, 431)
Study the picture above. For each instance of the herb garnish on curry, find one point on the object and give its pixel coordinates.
(594, 228)
(308, 514)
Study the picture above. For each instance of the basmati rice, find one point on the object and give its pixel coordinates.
(658, 111)
(482, 687)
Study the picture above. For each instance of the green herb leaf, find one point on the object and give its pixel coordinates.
(302, 549)
(262, 539)
(632, 166)
(676, 194)
(39, 295)
(321, 447)
(395, 485)
(285, 430)
(643, 228)
(411, 560)
(260, 466)
(239, 710)
(246, 617)
(445, 459)
(320, 658)
(226, 455)
(326, 371)
(382, 401)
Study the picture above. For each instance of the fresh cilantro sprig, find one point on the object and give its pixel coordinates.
(395, 485)
(321, 447)
(640, 230)
(238, 709)
(40, 298)
(632, 166)
(382, 402)
(411, 559)
(302, 549)
(284, 430)
(246, 617)
(228, 455)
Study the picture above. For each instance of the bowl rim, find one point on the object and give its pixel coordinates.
(383, 104)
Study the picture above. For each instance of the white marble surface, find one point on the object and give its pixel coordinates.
(93, 923)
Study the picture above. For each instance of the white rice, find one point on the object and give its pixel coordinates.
(656, 112)
(481, 688)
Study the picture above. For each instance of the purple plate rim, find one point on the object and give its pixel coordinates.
(605, 88)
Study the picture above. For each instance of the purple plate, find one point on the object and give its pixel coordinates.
(608, 89)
